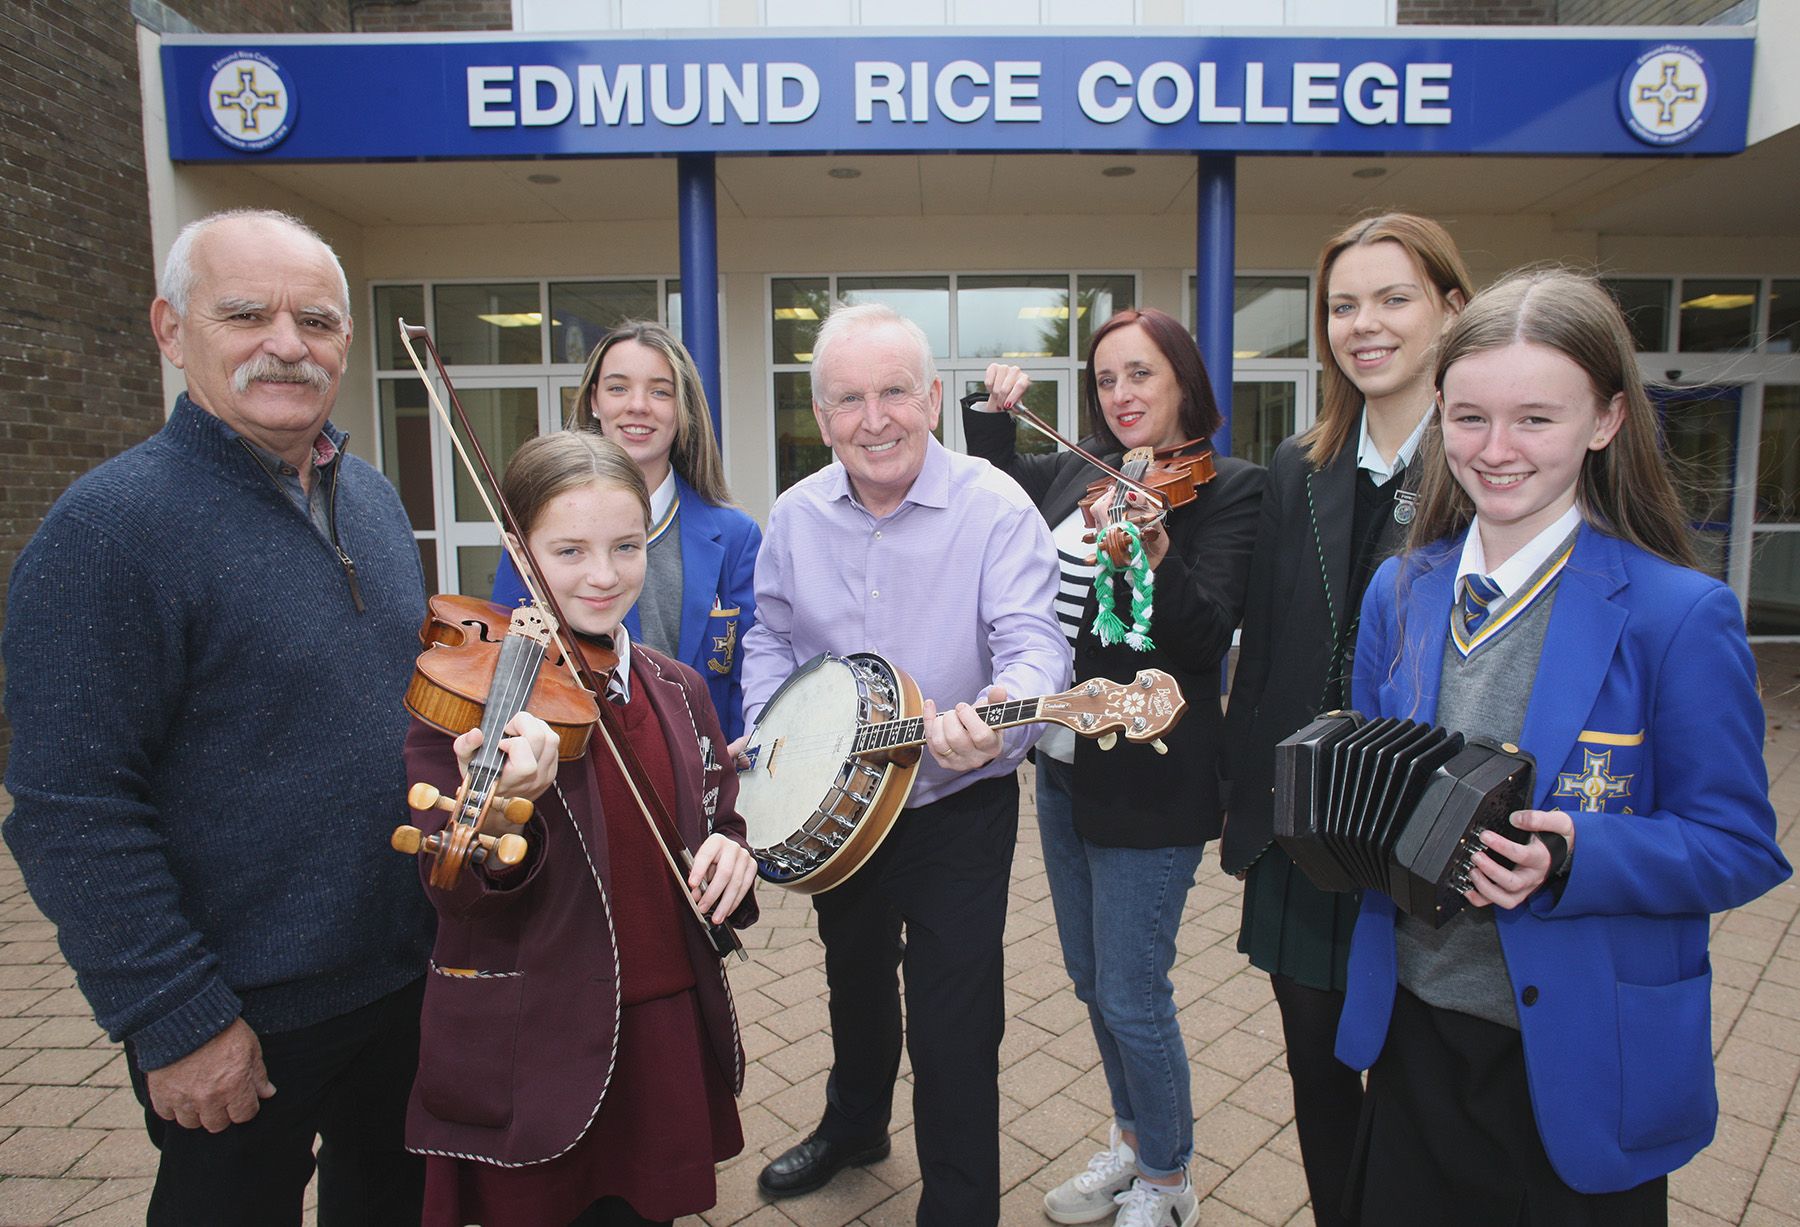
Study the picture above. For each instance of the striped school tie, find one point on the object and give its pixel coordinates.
(1478, 593)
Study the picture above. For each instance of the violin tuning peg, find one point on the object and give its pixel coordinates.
(1108, 740)
(407, 839)
(516, 810)
(423, 797)
(1158, 746)
(510, 849)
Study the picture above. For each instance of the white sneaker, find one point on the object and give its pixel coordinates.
(1090, 1196)
(1155, 1205)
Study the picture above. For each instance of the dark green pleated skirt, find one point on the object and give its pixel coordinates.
(1293, 928)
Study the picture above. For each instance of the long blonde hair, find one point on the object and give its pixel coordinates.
(1430, 247)
(1625, 487)
(695, 454)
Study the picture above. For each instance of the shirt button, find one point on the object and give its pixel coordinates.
(878, 534)
(874, 594)
(1530, 995)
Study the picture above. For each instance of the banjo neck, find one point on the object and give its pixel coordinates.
(906, 733)
(1142, 709)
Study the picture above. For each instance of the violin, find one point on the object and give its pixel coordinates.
(481, 666)
(1168, 478)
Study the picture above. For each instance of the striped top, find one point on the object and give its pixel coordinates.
(1074, 582)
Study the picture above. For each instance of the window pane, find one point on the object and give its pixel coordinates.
(923, 300)
(1262, 415)
(1700, 429)
(798, 448)
(1646, 308)
(1269, 318)
(1718, 315)
(406, 448)
(672, 306)
(392, 303)
(581, 312)
(1098, 300)
(1778, 458)
(798, 305)
(475, 568)
(428, 561)
(1012, 317)
(1041, 398)
(1775, 584)
(481, 325)
(1784, 317)
(505, 418)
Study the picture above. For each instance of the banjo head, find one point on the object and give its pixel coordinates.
(797, 749)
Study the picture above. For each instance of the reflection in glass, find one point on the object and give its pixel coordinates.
(1784, 317)
(1646, 308)
(1100, 298)
(1775, 584)
(406, 448)
(392, 304)
(1700, 434)
(504, 418)
(1778, 457)
(1013, 317)
(1718, 315)
(428, 562)
(475, 568)
(1269, 318)
(798, 305)
(487, 325)
(581, 312)
(923, 300)
(1262, 415)
(798, 448)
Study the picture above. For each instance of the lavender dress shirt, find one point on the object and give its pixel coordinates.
(956, 586)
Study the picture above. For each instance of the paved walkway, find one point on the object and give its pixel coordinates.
(72, 1146)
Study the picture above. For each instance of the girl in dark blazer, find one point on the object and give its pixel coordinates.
(1546, 1056)
(642, 391)
(1339, 497)
(579, 1050)
(1123, 831)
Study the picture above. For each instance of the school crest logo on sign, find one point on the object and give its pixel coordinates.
(250, 101)
(1666, 96)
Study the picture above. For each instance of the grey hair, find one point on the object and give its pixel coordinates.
(846, 320)
(178, 277)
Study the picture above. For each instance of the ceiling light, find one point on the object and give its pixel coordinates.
(844, 172)
(1719, 302)
(1119, 172)
(796, 313)
(543, 178)
(1049, 313)
(805, 357)
(514, 319)
(1368, 172)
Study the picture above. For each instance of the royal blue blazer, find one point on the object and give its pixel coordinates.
(1647, 730)
(718, 597)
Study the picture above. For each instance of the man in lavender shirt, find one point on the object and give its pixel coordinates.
(938, 562)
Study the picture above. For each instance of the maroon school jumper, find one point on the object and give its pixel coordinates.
(665, 1112)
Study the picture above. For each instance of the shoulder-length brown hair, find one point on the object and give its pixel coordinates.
(1199, 410)
(1434, 251)
(554, 464)
(1625, 488)
(695, 455)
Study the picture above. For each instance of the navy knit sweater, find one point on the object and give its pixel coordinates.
(206, 758)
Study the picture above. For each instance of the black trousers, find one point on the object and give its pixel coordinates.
(941, 879)
(1451, 1138)
(344, 1082)
(1328, 1094)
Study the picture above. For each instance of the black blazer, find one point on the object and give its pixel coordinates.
(1291, 622)
(1130, 796)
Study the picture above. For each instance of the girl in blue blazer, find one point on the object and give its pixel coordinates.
(641, 390)
(1546, 1056)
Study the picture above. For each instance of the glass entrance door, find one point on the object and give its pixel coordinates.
(1048, 397)
(1700, 431)
(505, 413)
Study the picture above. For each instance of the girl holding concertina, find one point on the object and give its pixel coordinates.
(1340, 497)
(579, 1051)
(1546, 1056)
(641, 390)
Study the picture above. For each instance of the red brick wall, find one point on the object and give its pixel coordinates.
(1477, 12)
(436, 15)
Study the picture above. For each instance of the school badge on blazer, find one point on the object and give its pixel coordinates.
(1597, 784)
(722, 629)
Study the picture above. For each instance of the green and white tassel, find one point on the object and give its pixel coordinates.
(1107, 623)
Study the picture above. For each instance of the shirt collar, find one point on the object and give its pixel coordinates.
(931, 488)
(325, 449)
(662, 496)
(1510, 574)
(1368, 456)
(619, 684)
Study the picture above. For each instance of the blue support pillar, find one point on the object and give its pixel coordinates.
(1215, 276)
(700, 272)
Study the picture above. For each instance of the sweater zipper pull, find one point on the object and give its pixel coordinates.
(349, 565)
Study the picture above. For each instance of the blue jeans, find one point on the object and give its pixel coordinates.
(1117, 911)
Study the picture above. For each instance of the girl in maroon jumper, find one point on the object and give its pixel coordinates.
(579, 1052)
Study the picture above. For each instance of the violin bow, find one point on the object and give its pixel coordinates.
(674, 849)
(1038, 424)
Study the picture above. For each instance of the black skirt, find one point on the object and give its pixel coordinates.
(1294, 929)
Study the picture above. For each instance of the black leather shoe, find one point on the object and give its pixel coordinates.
(812, 1164)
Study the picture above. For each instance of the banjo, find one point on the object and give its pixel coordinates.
(833, 756)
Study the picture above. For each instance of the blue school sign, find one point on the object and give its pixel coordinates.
(338, 99)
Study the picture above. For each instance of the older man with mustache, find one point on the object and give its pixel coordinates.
(206, 644)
